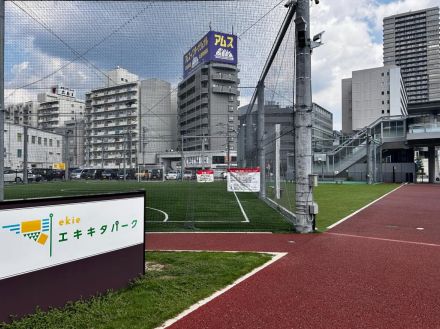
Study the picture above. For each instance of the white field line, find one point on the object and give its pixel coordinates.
(161, 211)
(364, 207)
(277, 256)
(384, 239)
(246, 219)
(200, 221)
(256, 232)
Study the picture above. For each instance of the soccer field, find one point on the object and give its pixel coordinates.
(179, 206)
(174, 205)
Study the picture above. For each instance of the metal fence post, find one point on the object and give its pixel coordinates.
(260, 140)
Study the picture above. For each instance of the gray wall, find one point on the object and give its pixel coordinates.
(157, 120)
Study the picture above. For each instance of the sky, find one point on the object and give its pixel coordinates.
(74, 43)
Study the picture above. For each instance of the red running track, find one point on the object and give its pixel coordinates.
(386, 278)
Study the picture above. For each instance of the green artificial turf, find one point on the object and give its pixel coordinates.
(193, 206)
(177, 280)
(189, 205)
(336, 201)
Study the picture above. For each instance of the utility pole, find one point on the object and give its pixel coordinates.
(2, 99)
(182, 158)
(260, 140)
(228, 145)
(277, 160)
(303, 120)
(25, 154)
(125, 157)
(203, 153)
(66, 156)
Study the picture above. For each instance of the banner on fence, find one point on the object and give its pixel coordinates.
(205, 176)
(244, 180)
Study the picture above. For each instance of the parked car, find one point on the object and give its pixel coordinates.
(188, 174)
(129, 174)
(49, 174)
(33, 177)
(110, 174)
(172, 175)
(76, 174)
(11, 175)
(92, 174)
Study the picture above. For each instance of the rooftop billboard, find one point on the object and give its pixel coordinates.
(213, 47)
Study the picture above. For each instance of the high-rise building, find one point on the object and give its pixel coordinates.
(57, 107)
(412, 41)
(24, 113)
(207, 98)
(371, 94)
(129, 121)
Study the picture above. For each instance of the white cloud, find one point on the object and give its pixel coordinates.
(352, 42)
(19, 68)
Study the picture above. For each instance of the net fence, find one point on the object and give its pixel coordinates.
(108, 96)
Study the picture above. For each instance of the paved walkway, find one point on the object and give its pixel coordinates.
(379, 269)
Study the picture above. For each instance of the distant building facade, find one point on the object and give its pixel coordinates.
(322, 132)
(128, 122)
(371, 94)
(44, 148)
(207, 98)
(412, 41)
(24, 113)
(58, 107)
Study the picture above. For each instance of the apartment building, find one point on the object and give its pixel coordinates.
(24, 113)
(128, 122)
(412, 41)
(57, 107)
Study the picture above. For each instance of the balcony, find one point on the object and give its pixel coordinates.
(225, 90)
(224, 77)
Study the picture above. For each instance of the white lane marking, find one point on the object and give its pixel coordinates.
(246, 219)
(163, 212)
(364, 207)
(277, 256)
(420, 228)
(384, 239)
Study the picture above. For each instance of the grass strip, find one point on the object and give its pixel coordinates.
(175, 281)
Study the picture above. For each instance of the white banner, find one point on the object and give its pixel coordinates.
(205, 176)
(35, 238)
(244, 180)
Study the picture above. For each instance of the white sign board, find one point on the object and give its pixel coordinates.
(35, 238)
(244, 180)
(205, 176)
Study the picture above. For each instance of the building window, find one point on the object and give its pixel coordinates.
(383, 74)
(388, 101)
(33, 139)
(39, 140)
(388, 92)
(19, 152)
(58, 143)
(383, 102)
(45, 142)
(383, 93)
(50, 142)
(383, 111)
(19, 137)
(388, 111)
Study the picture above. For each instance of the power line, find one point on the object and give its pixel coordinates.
(123, 25)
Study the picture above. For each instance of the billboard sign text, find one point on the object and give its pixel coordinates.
(213, 47)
